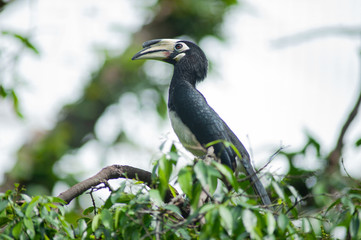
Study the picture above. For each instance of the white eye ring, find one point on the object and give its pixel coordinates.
(178, 46)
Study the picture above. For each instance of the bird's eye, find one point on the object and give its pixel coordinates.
(178, 46)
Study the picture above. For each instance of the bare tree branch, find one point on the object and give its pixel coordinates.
(335, 155)
(110, 172)
(315, 33)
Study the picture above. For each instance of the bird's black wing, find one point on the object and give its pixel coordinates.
(193, 110)
(207, 126)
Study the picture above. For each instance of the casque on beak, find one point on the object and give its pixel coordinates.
(157, 49)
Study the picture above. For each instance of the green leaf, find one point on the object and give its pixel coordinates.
(162, 107)
(3, 205)
(5, 237)
(358, 143)
(173, 208)
(250, 222)
(16, 104)
(293, 191)
(227, 219)
(173, 154)
(172, 190)
(228, 174)
(346, 201)
(333, 204)
(26, 197)
(29, 225)
(3, 92)
(282, 222)
(57, 200)
(88, 210)
(306, 225)
(118, 211)
(271, 223)
(355, 225)
(196, 193)
(183, 234)
(67, 227)
(50, 206)
(213, 224)
(121, 197)
(4, 221)
(206, 208)
(96, 222)
(17, 230)
(31, 208)
(213, 143)
(356, 194)
(61, 210)
(107, 219)
(82, 226)
(316, 226)
(156, 197)
(18, 212)
(24, 40)
(164, 172)
(185, 181)
(200, 169)
(278, 190)
(212, 178)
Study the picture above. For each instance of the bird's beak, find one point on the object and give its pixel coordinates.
(158, 49)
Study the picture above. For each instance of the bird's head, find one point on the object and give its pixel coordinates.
(188, 59)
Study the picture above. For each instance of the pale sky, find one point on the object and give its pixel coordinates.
(269, 96)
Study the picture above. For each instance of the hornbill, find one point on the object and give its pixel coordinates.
(195, 123)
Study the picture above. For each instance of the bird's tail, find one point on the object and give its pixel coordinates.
(257, 185)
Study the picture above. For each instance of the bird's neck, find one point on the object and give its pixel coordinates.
(192, 69)
(182, 86)
(187, 73)
(183, 73)
(179, 78)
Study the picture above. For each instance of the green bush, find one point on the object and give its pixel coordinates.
(144, 214)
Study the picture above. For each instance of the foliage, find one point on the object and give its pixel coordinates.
(308, 204)
(118, 76)
(23, 217)
(229, 213)
(196, 19)
(10, 66)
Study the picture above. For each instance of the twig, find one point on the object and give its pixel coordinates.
(93, 202)
(298, 201)
(208, 196)
(106, 183)
(348, 175)
(344, 168)
(157, 227)
(270, 159)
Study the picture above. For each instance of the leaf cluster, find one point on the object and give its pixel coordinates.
(230, 211)
(39, 217)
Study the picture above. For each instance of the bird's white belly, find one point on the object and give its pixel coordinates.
(185, 136)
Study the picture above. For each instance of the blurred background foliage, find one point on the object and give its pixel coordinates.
(118, 76)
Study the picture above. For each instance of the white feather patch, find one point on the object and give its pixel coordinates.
(185, 136)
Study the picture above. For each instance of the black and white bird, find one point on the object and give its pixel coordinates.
(195, 123)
